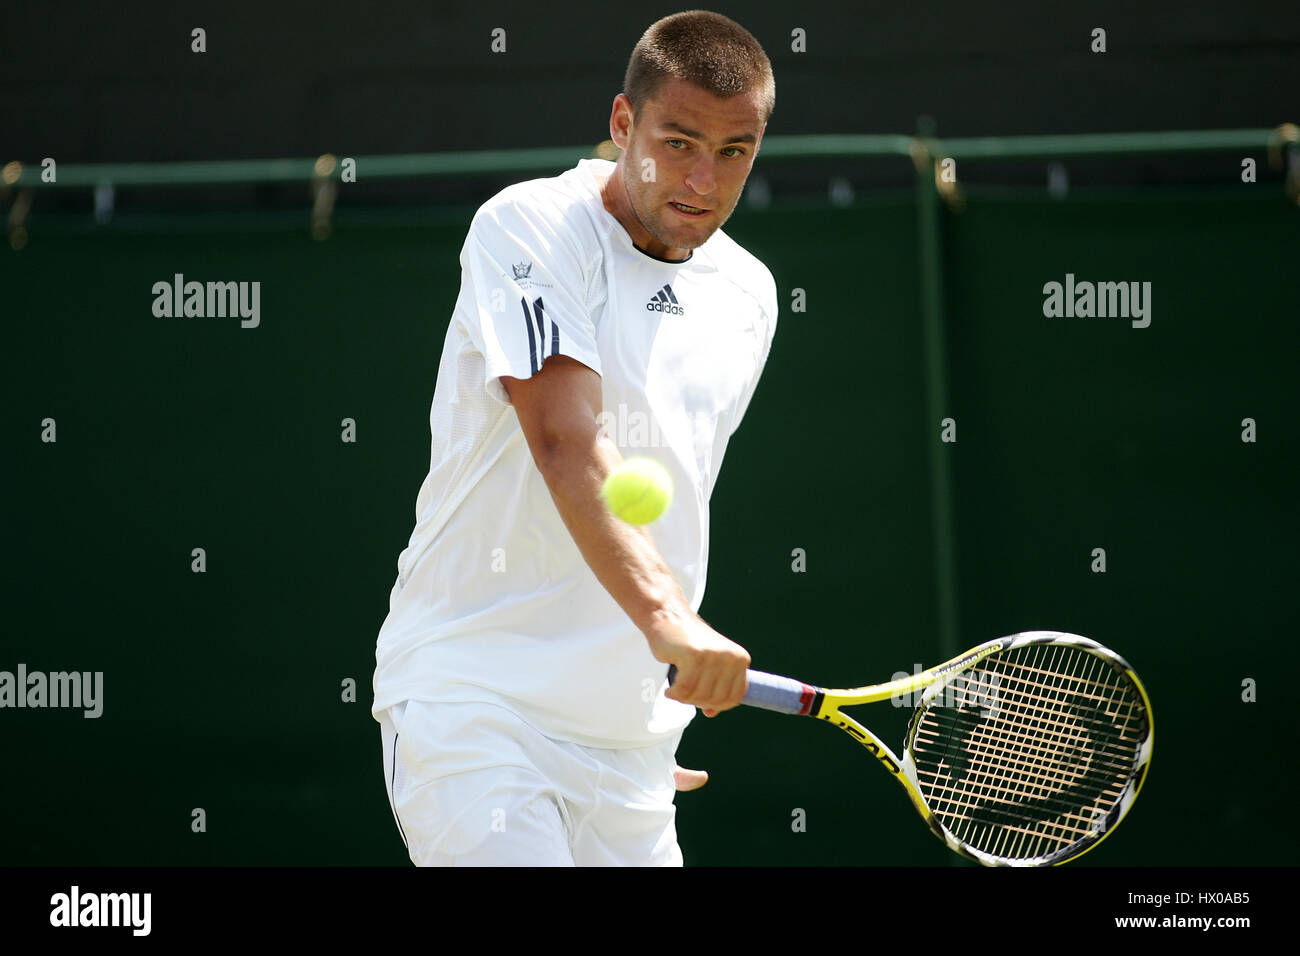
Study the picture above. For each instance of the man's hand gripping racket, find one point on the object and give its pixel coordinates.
(1025, 751)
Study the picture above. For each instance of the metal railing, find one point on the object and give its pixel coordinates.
(925, 149)
(493, 161)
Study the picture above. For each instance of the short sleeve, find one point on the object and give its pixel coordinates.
(524, 292)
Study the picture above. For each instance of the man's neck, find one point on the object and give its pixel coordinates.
(613, 192)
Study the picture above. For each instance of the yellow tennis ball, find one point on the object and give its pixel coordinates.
(638, 491)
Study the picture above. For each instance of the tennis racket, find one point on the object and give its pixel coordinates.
(1025, 751)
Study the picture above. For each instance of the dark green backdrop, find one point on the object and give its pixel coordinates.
(222, 690)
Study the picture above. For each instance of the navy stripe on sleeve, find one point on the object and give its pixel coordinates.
(541, 326)
(532, 343)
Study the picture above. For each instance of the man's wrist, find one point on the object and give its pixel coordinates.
(665, 620)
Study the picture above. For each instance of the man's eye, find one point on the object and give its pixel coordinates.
(671, 142)
(736, 151)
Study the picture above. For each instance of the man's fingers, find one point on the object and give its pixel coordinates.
(734, 697)
(689, 779)
(739, 688)
(711, 688)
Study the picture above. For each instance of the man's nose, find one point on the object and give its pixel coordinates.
(702, 178)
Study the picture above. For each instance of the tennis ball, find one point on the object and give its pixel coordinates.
(638, 491)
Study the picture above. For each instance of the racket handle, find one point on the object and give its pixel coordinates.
(771, 692)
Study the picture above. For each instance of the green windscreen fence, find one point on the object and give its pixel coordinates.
(1077, 440)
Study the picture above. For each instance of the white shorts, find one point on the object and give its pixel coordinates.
(471, 784)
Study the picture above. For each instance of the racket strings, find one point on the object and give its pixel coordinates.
(1044, 768)
(1052, 730)
(1027, 696)
(967, 788)
(1031, 750)
(1070, 823)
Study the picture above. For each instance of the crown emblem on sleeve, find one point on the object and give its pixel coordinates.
(522, 269)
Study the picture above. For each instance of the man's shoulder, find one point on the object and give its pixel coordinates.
(552, 205)
(744, 269)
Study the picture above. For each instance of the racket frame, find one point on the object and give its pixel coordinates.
(827, 704)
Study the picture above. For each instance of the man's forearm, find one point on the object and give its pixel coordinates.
(623, 557)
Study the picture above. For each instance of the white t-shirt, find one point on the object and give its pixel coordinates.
(493, 600)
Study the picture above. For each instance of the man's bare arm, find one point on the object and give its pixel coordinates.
(558, 410)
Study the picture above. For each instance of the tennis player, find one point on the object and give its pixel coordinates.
(521, 671)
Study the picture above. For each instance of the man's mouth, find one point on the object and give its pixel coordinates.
(688, 210)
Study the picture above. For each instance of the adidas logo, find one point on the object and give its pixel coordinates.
(665, 301)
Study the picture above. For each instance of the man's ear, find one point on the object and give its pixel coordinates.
(620, 121)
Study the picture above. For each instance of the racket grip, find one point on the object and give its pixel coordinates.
(784, 695)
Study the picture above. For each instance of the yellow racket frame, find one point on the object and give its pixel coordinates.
(830, 703)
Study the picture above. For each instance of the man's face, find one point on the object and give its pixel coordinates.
(687, 146)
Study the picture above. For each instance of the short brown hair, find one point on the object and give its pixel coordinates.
(712, 51)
